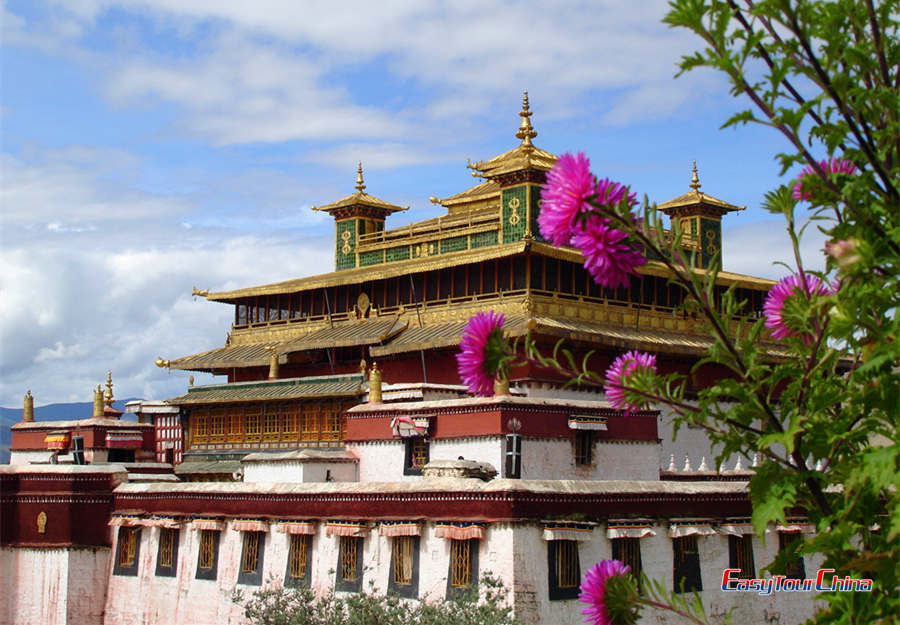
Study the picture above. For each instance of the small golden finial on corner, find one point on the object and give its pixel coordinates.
(161, 363)
(108, 395)
(360, 185)
(526, 132)
(201, 292)
(695, 179)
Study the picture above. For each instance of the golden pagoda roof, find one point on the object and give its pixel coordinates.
(484, 191)
(696, 197)
(452, 259)
(374, 272)
(524, 156)
(361, 198)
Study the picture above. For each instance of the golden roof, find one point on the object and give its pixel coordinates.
(357, 332)
(519, 158)
(374, 272)
(695, 197)
(463, 257)
(361, 198)
(484, 191)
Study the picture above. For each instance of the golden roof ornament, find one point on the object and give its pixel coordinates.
(98, 403)
(360, 185)
(695, 179)
(526, 133)
(108, 396)
(28, 409)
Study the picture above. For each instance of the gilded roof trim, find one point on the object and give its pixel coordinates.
(374, 272)
(361, 199)
(694, 197)
(357, 332)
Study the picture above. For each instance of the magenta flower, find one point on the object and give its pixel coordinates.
(779, 297)
(607, 256)
(482, 350)
(601, 585)
(622, 368)
(834, 166)
(569, 184)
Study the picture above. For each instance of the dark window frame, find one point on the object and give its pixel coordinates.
(796, 568)
(583, 451)
(512, 465)
(130, 569)
(458, 591)
(172, 569)
(290, 579)
(686, 572)
(410, 590)
(349, 585)
(408, 467)
(628, 551)
(740, 555)
(208, 572)
(254, 577)
(558, 592)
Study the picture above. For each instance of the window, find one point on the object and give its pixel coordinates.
(404, 579)
(463, 574)
(208, 554)
(128, 551)
(513, 465)
(628, 551)
(794, 568)
(740, 555)
(686, 565)
(298, 565)
(270, 421)
(584, 447)
(198, 424)
(416, 455)
(252, 558)
(252, 425)
(564, 569)
(167, 554)
(217, 425)
(349, 570)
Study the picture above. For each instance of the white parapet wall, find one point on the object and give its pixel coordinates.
(53, 586)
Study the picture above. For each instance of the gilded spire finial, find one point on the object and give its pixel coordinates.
(108, 396)
(28, 409)
(526, 133)
(695, 179)
(360, 185)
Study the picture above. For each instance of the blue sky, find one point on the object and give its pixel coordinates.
(151, 146)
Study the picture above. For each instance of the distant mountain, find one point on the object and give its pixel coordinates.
(50, 412)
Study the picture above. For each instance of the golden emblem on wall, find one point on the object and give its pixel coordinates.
(362, 304)
(345, 248)
(711, 247)
(514, 204)
(42, 522)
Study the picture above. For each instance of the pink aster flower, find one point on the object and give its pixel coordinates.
(622, 368)
(569, 184)
(774, 306)
(834, 166)
(482, 348)
(607, 256)
(598, 590)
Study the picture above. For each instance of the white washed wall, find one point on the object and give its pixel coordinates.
(657, 556)
(53, 585)
(288, 471)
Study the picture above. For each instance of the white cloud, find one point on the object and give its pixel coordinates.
(77, 301)
(275, 70)
(757, 247)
